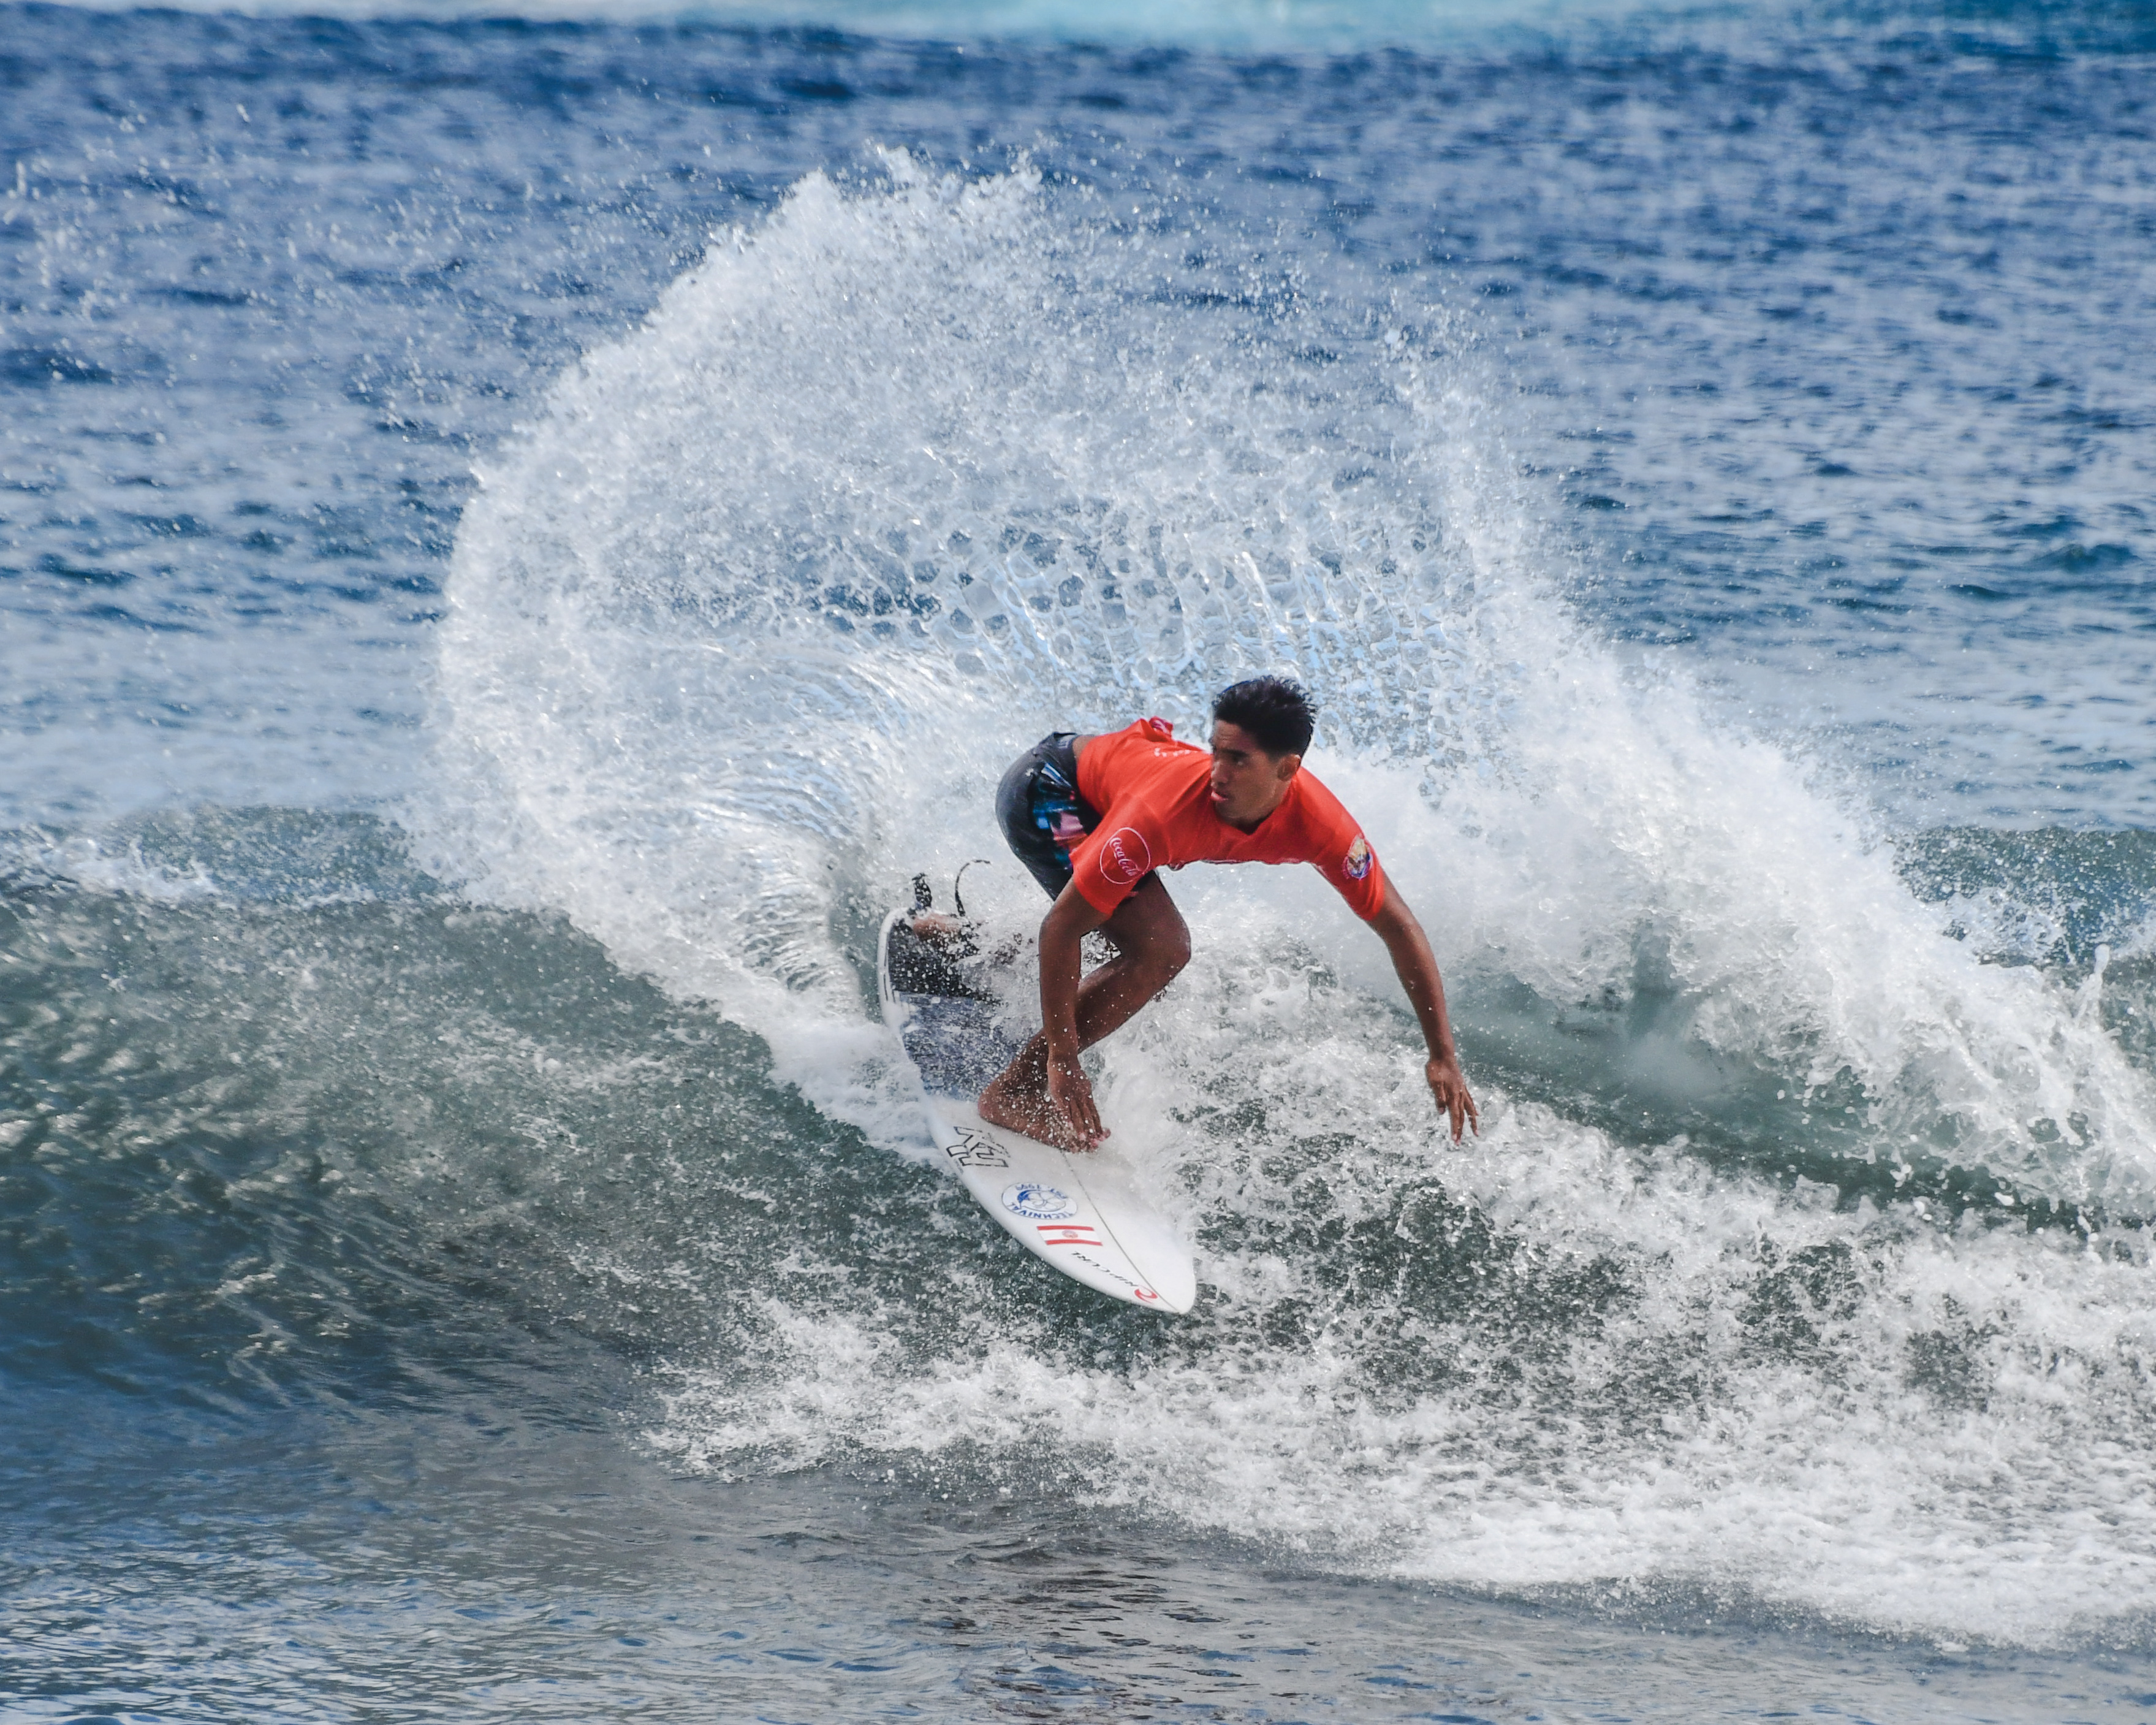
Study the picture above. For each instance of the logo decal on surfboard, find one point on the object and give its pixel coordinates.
(1038, 1204)
(973, 1151)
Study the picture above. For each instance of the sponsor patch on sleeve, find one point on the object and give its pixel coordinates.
(1357, 862)
(1125, 856)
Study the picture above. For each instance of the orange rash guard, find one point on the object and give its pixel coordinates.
(1156, 804)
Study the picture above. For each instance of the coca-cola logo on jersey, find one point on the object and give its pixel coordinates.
(1125, 855)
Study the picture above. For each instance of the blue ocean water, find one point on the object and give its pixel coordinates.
(519, 537)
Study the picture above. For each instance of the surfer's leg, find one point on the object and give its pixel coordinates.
(1152, 944)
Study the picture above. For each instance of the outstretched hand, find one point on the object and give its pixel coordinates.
(1450, 1087)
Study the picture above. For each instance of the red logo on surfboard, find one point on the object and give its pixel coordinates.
(1125, 856)
(1068, 1233)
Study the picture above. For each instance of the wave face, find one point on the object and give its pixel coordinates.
(463, 1234)
(1734, 1291)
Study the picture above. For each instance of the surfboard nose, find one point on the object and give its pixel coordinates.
(1085, 1215)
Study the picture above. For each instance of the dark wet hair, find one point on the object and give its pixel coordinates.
(1277, 711)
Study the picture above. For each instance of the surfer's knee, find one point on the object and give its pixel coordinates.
(1168, 952)
(1167, 942)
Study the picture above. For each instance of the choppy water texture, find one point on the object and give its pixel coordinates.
(518, 540)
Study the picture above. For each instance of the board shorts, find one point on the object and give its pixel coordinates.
(1041, 810)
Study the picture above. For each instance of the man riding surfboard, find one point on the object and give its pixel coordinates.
(1094, 817)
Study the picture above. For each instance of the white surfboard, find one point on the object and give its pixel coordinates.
(1082, 1211)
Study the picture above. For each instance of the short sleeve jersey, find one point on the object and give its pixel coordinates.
(1156, 804)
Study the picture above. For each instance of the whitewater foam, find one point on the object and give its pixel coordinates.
(740, 636)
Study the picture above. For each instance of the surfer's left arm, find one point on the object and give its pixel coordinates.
(1417, 968)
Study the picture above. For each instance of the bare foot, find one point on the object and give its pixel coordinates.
(946, 934)
(1009, 1101)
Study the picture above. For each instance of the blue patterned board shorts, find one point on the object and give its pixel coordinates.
(1041, 811)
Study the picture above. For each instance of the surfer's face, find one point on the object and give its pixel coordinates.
(1248, 783)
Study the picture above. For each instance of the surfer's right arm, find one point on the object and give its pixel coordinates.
(1063, 932)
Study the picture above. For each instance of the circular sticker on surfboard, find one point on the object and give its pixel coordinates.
(1038, 1204)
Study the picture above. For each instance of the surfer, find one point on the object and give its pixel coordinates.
(1094, 819)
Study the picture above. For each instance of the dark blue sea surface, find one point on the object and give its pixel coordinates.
(519, 538)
